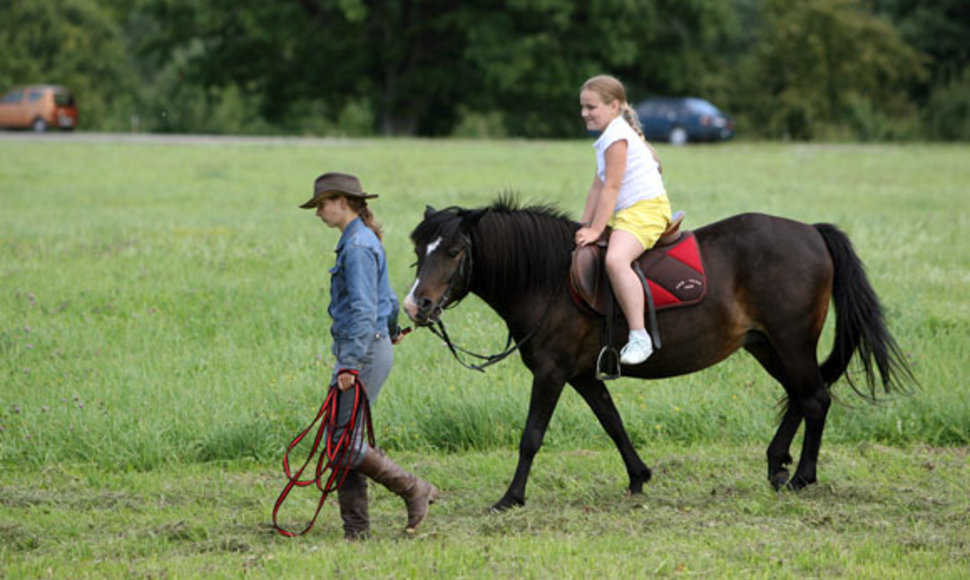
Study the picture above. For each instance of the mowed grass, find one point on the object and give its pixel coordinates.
(163, 335)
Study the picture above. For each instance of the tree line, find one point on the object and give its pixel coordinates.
(784, 69)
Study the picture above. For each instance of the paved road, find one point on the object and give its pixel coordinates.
(164, 139)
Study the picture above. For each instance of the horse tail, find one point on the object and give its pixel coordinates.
(859, 324)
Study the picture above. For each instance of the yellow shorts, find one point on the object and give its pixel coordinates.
(646, 220)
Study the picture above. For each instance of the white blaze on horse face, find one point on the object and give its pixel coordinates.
(433, 246)
(410, 306)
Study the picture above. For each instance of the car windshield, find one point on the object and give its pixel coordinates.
(702, 107)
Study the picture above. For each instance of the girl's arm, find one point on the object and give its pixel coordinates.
(592, 200)
(615, 157)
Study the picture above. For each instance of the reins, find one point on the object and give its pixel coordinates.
(336, 457)
(465, 271)
(489, 359)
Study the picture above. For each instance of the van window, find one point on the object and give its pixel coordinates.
(35, 96)
(13, 96)
(63, 99)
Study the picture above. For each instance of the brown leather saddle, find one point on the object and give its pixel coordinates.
(671, 272)
(673, 276)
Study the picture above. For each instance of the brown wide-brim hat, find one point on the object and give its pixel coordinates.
(334, 184)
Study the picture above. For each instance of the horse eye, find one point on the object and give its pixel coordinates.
(453, 253)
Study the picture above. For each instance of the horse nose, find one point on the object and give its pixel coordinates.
(425, 309)
(418, 309)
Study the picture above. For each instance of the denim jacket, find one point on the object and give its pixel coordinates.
(362, 303)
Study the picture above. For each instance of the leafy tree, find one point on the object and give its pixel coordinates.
(75, 43)
(939, 29)
(421, 63)
(534, 56)
(402, 58)
(819, 62)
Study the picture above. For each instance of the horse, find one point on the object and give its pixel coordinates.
(770, 282)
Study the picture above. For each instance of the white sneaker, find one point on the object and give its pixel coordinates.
(636, 351)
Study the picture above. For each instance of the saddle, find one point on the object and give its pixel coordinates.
(672, 274)
(672, 270)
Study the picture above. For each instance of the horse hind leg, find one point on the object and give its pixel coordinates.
(795, 366)
(596, 395)
(812, 397)
(779, 450)
(808, 397)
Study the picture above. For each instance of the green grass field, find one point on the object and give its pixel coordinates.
(163, 335)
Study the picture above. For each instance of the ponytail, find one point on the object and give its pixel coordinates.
(366, 215)
(630, 116)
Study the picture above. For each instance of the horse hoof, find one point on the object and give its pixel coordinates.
(505, 505)
(799, 483)
(779, 479)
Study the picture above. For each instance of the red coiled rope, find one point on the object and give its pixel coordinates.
(336, 458)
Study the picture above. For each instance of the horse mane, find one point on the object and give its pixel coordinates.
(523, 247)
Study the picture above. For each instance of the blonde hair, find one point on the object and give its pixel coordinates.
(366, 215)
(610, 89)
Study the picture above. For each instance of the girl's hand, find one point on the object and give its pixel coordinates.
(586, 236)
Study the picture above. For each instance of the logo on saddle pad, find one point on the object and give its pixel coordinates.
(673, 272)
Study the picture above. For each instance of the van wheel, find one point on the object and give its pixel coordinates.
(678, 136)
(39, 125)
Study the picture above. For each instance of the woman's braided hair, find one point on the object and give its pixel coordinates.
(366, 215)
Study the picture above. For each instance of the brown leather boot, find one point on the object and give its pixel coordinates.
(417, 493)
(352, 498)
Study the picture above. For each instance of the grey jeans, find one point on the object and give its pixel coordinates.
(375, 367)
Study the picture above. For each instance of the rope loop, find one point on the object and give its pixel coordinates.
(336, 456)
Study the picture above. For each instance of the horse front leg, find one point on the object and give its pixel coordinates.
(596, 395)
(545, 397)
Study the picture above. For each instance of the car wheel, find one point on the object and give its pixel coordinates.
(39, 125)
(678, 136)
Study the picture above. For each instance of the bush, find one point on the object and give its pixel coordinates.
(947, 114)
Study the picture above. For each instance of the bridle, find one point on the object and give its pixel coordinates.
(463, 274)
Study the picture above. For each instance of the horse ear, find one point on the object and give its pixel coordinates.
(471, 217)
(429, 211)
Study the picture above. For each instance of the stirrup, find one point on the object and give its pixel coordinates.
(608, 364)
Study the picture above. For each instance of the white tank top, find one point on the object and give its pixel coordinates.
(642, 177)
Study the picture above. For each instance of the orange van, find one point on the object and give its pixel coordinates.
(38, 107)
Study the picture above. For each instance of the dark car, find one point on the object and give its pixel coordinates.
(683, 119)
(38, 107)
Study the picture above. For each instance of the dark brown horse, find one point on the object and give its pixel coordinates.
(770, 281)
